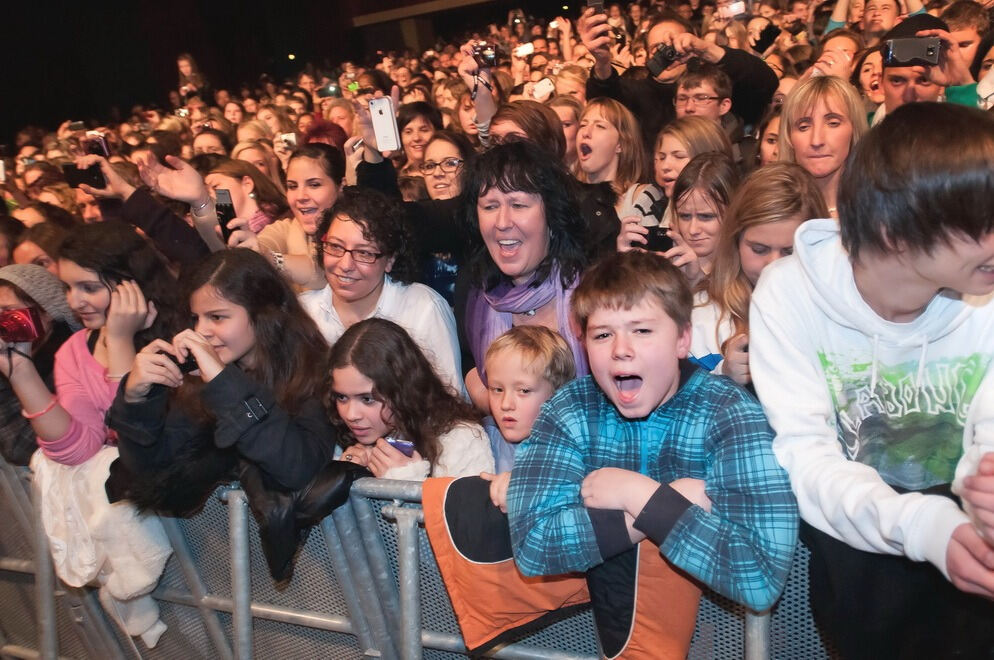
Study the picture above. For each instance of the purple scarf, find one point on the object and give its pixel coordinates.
(488, 315)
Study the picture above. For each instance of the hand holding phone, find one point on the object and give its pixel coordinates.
(91, 176)
(384, 120)
(225, 210)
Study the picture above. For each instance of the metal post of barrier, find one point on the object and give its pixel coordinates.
(410, 579)
(757, 635)
(241, 580)
(182, 553)
(343, 575)
(358, 577)
(379, 565)
(86, 611)
(48, 642)
(22, 508)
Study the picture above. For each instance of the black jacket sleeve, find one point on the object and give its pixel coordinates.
(288, 448)
(176, 240)
(753, 84)
(378, 176)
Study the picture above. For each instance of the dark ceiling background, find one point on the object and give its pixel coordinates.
(81, 62)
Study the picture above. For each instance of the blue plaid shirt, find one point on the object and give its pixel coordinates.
(711, 430)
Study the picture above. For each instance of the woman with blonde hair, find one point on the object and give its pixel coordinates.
(253, 130)
(822, 119)
(758, 229)
(677, 143)
(341, 112)
(262, 157)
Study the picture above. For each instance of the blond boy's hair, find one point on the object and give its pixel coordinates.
(623, 279)
(545, 349)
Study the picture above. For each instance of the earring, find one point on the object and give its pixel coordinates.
(252, 195)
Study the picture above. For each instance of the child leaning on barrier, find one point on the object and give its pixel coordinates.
(400, 420)
(526, 365)
(650, 446)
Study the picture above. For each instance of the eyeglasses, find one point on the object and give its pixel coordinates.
(360, 256)
(448, 165)
(696, 99)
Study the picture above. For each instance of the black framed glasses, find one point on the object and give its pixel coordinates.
(359, 255)
(448, 165)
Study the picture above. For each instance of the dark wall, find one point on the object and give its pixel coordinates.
(79, 61)
(81, 64)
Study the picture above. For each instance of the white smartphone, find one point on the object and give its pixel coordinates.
(543, 89)
(384, 124)
(289, 140)
(3, 171)
(524, 50)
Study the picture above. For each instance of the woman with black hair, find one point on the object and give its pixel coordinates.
(366, 251)
(527, 255)
(124, 295)
(254, 394)
(416, 123)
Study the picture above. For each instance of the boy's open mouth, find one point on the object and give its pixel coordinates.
(628, 386)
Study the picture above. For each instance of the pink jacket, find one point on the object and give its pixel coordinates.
(82, 388)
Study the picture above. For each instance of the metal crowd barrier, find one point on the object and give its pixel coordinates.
(365, 585)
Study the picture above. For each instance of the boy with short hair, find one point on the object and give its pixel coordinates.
(651, 446)
(874, 365)
(704, 90)
(525, 366)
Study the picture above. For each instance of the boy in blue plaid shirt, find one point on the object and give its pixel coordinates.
(649, 446)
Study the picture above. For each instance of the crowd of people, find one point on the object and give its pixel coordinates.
(667, 271)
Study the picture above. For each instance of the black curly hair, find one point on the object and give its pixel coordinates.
(383, 223)
(522, 165)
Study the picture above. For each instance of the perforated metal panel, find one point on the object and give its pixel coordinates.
(792, 630)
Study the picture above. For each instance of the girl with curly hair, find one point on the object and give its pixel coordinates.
(398, 417)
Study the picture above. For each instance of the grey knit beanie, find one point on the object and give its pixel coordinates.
(44, 288)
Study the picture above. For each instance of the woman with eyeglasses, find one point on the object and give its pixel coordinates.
(366, 251)
(445, 160)
(445, 155)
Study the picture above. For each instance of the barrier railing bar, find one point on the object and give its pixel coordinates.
(241, 580)
(192, 577)
(379, 565)
(97, 634)
(757, 635)
(448, 642)
(48, 642)
(21, 508)
(17, 565)
(15, 651)
(388, 489)
(308, 619)
(357, 579)
(410, 580)
(343, 575)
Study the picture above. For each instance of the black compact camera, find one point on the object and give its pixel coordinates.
(916, 51)
(187, 366)
(20, 325)
(662, 59)
(486, 55)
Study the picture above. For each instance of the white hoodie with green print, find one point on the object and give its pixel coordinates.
(860, 404)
